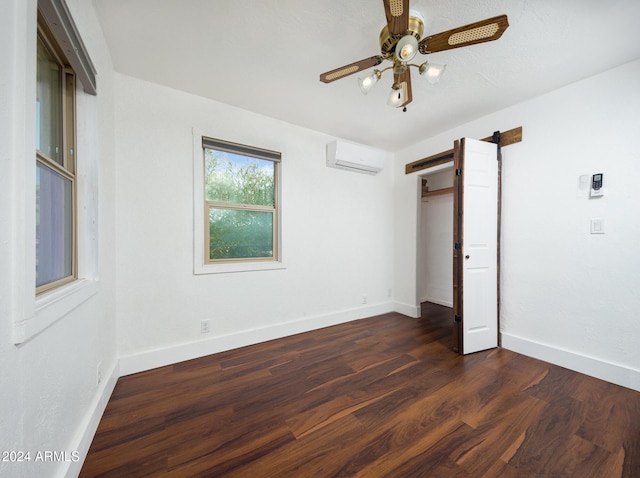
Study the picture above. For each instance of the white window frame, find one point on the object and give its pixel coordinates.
(201, 264)
(34, 314)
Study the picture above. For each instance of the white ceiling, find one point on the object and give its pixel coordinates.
(266, 56)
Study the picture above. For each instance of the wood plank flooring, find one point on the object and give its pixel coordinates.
(379, 397)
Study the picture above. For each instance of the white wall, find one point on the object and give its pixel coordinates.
(337, 241)
(567, 296)
(436, 250)
(49, 398)
(435, 254)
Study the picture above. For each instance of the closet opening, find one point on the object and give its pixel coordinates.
(435, 252)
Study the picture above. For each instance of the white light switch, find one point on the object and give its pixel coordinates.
(597, 226)
(583, 182)
(583, 186)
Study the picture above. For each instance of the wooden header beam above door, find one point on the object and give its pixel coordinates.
(506, 138)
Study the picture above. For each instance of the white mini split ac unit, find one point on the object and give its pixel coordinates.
(355, 157)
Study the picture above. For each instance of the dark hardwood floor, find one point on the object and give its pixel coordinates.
(379, 397)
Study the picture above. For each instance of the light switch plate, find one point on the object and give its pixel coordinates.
(597, 226)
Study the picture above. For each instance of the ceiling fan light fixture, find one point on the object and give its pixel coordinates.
(406, 48)
(401, 39)
(431, 72)
(397, 96)
(368, 82)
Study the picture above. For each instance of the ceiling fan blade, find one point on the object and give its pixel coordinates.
(404, 80)
(350, 69)
(478, 32)
(397, 12)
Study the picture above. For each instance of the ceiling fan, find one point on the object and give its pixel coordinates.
(400, 41)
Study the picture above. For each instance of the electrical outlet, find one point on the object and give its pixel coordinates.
(99, 373)
(364, 298)
(205, 326)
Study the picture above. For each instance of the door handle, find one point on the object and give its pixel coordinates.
(467, 256)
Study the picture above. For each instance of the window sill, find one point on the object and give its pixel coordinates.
(52, 306)
(232, 267)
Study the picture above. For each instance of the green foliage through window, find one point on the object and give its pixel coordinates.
(241, 198)
(239, 179)
(236, 234)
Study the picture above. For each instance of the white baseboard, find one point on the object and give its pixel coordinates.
(151, 359)
(446, 303)
(89, 425)
(408, 310)
(614, 373)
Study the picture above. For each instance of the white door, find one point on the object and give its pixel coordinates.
(478, 259)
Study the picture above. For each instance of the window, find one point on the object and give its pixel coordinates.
(240, 202)
(57, 242)
(55, 166)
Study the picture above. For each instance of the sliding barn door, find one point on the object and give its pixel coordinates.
(475, 293)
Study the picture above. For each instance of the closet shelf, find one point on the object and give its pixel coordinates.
(437, 192)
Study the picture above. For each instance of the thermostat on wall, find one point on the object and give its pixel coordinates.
(597, 188)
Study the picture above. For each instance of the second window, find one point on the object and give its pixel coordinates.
(241, 202)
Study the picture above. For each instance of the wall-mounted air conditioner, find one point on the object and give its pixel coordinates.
(355, 157)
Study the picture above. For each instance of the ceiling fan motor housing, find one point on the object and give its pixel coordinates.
(388, 40)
